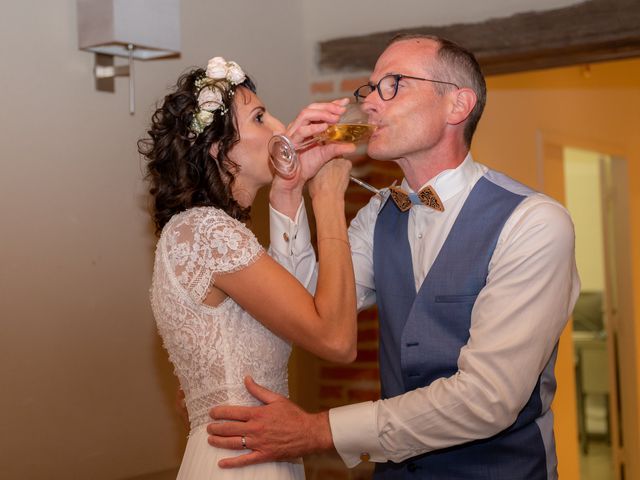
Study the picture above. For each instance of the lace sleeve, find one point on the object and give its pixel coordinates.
(205, 242)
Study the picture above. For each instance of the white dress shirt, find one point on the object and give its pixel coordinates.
(516, 320)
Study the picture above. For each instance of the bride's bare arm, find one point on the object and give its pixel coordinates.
(325, 324)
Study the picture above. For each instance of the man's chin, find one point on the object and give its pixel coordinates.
(377, 153)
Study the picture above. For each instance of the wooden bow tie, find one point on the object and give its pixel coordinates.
(427, 196)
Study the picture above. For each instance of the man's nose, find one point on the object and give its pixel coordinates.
(369, 103)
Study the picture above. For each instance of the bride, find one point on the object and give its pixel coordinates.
(223, 307)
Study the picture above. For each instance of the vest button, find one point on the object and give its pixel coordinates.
(412, 467)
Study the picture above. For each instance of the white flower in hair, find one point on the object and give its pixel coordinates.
(210, 99)
(217, 68)
(220, 75)
(205, 117)
(234, 73)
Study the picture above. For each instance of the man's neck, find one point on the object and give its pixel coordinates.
(419, 171)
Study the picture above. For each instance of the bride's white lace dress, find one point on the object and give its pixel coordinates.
(213, 348)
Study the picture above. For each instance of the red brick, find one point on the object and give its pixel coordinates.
(348, 373)
(331, 391)
(368, 314)
(350, 84)
(368, 335)
(359, 395)
(322, 87)
(367, 355)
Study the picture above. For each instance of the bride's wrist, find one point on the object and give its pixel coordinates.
(285, 200)
(328, 200)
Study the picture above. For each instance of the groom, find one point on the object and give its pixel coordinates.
(474, 276)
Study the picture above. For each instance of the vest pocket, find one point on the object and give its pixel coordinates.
(455, 298)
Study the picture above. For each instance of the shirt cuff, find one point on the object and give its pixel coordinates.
(287, 236)
(355, 433)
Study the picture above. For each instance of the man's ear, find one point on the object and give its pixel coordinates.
(464, 99)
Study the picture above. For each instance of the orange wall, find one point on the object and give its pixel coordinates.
(592, 107)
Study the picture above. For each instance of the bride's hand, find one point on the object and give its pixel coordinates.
(313, 121)
(332, 179)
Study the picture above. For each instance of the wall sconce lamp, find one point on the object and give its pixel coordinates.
(134, 29)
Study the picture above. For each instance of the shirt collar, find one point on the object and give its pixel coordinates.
(452, 181)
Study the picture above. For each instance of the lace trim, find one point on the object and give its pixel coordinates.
(199, 406)
(202, 242)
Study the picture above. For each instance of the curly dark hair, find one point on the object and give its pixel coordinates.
(181, 171)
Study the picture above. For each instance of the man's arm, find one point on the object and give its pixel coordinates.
(515, 325)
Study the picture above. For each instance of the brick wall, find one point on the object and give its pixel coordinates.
(357, 382)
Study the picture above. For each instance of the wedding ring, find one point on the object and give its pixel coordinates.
(243, 439)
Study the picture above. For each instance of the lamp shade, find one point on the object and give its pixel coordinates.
(151, 26)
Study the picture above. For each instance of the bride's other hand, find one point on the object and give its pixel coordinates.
(310, 122)
(332, 179)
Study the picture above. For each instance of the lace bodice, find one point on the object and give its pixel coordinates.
(211, 348)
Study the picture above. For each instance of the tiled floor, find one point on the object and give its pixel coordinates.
(597, 464)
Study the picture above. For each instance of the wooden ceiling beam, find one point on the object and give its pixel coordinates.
(592, 31)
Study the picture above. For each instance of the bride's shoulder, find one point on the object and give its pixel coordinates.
(199, 218)
(207, 230)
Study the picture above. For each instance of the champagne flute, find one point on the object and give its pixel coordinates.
(352, 127)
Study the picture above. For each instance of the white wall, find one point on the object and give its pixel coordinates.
(86, 389)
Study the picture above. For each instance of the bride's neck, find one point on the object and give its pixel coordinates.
(243, 196)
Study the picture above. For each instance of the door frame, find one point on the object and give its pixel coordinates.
(621, 334)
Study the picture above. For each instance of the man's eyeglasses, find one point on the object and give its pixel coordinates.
(388, 86)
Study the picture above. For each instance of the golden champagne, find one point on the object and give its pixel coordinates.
(349, 132)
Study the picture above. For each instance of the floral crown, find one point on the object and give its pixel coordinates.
(220, 76)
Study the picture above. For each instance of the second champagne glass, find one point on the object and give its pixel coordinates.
(352, 127)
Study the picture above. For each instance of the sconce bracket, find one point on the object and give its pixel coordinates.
(105, 73)
(104, 84)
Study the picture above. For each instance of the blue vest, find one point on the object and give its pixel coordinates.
(421, 335)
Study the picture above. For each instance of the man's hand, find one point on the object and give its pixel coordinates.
(279, 430)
